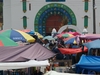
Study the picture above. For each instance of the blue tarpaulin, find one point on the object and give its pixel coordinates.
(89, 63)
(92, 45)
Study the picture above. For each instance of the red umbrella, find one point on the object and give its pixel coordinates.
(74, 33)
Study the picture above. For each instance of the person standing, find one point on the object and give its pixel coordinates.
(38, 72)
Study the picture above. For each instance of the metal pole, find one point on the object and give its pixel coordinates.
(94, 24)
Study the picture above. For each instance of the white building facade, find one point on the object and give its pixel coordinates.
(44, 15)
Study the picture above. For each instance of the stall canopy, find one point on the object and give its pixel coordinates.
(92, 45)
(90, 36)
(24, 53)
(88, 63)
(72, 50)
(20, 65)
(87, 37)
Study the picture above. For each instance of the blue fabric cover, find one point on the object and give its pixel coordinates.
(88, 63)
(93, 44)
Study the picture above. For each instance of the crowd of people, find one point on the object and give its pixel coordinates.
(52, 45)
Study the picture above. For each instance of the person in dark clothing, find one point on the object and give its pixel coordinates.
(35, 36)
(39, 40)
(38, 72)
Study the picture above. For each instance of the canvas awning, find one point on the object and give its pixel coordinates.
(90, 36)
(72, 50)
(24, 53)
(92, 45)
(20, 65)
(89, 63)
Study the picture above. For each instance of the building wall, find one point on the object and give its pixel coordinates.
(13, 13)
(97, 11)
(7, 13)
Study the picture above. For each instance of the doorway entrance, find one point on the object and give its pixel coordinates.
(53, 21)
(50, 16)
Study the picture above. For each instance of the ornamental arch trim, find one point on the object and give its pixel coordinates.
(52, 9)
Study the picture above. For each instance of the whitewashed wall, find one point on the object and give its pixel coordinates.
(13, 13)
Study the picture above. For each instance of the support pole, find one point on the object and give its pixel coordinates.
(94, 23)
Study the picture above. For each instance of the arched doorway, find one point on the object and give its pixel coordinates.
(52, 9)
(53, 21)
